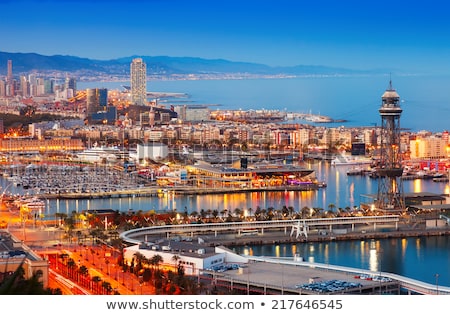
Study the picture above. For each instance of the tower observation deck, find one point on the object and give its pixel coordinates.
(390, 196)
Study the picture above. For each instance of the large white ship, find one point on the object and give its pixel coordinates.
(350, 160)
(99, 154)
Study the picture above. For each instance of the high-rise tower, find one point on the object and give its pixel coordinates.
(9, 76)
(138, 71)
(10, 86)
(390, 195)
(96, 100)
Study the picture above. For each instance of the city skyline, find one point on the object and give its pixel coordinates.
(382, 35)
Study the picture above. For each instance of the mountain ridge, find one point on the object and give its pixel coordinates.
(157, 65)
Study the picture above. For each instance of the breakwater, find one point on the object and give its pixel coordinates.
(179, 190)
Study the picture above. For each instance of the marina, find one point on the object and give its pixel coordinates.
(123, 191)
(105, 180)
(49, 180)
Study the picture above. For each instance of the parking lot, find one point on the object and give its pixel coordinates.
(295, 278)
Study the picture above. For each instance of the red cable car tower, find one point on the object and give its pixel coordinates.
(390, 197)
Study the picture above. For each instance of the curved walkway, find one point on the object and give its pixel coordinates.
(135, 236)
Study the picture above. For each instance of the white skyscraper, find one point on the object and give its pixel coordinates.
(138, 71)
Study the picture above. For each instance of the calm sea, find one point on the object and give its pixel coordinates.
(425, 99)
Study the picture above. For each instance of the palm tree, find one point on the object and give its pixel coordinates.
(304, 212)
(139, 258)
(156, 260)
(209, 213)
(175, 259)
(318, 212)
(291, 211)
(270, 213)
(284, 211)
(70, 225)
(250, 212)
(84, 272)
(237, 212)
(194, 214)
(223, 213)
(106, 286)
(347, 209)
(71, 266)
(331, 207)
(258, 213)
(96, 280)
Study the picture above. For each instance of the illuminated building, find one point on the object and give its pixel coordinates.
(429, 148)
(96, 100)
(250, 176)
(32, 145)
(138, 72)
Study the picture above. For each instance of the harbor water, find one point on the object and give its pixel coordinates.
(342, 191)
(422, 258)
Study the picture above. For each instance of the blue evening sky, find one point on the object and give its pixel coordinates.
(406, 35)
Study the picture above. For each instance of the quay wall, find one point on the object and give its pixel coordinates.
(180, 190)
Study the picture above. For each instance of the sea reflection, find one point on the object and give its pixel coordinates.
(374, 257)
(416, 257)
(417, 184)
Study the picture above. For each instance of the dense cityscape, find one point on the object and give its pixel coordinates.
(61, 142)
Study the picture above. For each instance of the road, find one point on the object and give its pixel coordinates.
(100, 262)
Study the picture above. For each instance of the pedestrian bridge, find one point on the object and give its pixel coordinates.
(297, 226)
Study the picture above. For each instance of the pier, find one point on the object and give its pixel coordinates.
(155, 191)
